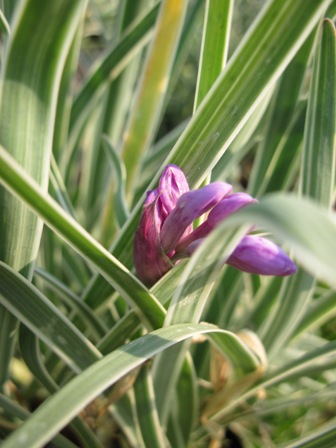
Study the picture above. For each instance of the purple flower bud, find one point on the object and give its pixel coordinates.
(172, 185)
(258, 255)
(230, 204)
(190, 206)
(150, 262)
(165, 232)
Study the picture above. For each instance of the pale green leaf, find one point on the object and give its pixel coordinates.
(29, 347)
(4, 26)
(149, 97)
(130, 288)
(19, 412)
(29, 86)
(311, 363)
(215, 44)
(84, 312)
(281, 118)
(77, 393)
(32, 308)
(318, 165)
(110, 65)
(120, 206)
(149, 422)
(322, 437)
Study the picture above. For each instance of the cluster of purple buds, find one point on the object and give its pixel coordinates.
(165, 232)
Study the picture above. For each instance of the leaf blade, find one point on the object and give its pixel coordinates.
(65, 404)
(125, 283)
(318, 165)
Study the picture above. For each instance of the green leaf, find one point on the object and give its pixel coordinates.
(59, 189)
(282, 172)
(310, 364)
(119, 333)
(215, 44)
(120, 206)
(317, 182)
(123, 329)
(278, 405)
(129, 287)
(4, 26)
(77, 393)
(265, 52)
(281, 119)
(247, 138)
(124, 412)
(151, 428)
(29, 84)
(19, 412)
(32, 308)
(263, 303)
(318, 166)
(69, 297)
(292, 302)
(9, 8)
(222, 306)
(184, 49)
(29, 87)
(155, 158)
(7, 339)
(30, 351)
(321, 310)
(111, 64)
(321, 437)
(187, 400)
(65, 96)
(149, 97)
(116, 105)
(121, 89)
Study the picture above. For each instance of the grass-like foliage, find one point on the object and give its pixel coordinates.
(97, 97)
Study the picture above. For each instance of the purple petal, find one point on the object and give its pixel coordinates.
(160, 213)
(258, 255)
(151, 196)
(150, 262)
(190, 249)
(172, 185)
(227, 206)
(190, 206)
(199, 233)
